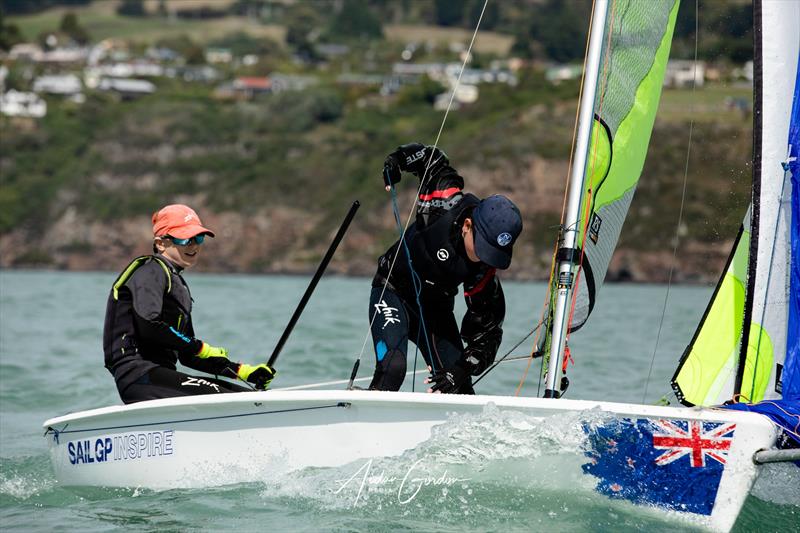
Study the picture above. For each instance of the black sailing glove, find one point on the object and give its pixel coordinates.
(449, 380)
(259, 375)
(391, 171)
(414, 158)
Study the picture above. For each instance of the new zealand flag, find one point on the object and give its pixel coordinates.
(674, 464)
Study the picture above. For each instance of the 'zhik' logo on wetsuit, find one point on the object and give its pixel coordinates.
(389, 313)
(196, 382)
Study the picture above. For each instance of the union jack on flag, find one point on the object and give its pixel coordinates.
(695, 441)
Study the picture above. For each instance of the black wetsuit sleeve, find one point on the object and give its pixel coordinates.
(212, 365)
(482, 326)
(440, 193)
(148, 286)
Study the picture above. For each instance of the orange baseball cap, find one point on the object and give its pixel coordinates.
(179, 221)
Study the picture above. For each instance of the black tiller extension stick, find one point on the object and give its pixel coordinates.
(311, 286)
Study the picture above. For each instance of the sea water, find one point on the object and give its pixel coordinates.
(487, 472)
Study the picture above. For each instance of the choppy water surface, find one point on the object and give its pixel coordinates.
(501, 475)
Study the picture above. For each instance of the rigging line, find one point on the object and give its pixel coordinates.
(553, 262)
(769, 282)
(199, 419)
(522, 357)
(591, 168)
(545, 307)
(415, 281)
(517, 345)
(683, 201)
(427, 167)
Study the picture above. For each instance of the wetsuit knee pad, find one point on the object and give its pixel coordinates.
(390, 371)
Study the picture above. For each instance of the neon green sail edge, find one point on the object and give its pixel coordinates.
(708, 369)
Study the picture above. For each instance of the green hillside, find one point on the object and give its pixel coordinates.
(274, 174)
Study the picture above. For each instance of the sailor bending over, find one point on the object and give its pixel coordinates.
(456, 239)
(148, 326)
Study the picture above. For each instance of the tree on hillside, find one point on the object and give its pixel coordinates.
(449, 13)
(553, 31)
(9, 34)
(192, 52)
(71, 26)
(355, 20)
(302, 21)
(24, 7)
(491, 15)
(132, 8)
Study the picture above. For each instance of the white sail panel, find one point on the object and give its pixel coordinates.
(766, 312)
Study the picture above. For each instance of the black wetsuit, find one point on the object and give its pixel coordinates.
(148, 329)
(440, 261)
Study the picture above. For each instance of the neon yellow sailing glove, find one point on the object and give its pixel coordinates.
(260, 375)
(211, 351)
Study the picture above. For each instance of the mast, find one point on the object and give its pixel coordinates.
(569, 232)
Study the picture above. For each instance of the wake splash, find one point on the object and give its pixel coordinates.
(23, 478)
(495, 469)
(778, 483)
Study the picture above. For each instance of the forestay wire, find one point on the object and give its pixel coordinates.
(425, 177)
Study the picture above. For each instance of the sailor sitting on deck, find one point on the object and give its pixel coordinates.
(148, 325)
(456, 239)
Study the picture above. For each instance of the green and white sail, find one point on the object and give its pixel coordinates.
(627, 57)
(635, 54)
(739, 348)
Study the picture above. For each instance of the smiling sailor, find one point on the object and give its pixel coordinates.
(456, 239)
(148, 325)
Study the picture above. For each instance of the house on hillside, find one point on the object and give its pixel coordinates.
(291, 82)
(561, 73)
(218, 55)
(26, 52)
(162, 54)
(464, 95)
(66, 56)
(192, 73)
(448, 74)
(124, 70)
(22, 104)
(244, 88)
(60, 84)
(682, 72)
(127, 87)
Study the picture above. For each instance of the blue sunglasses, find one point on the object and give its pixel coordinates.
(197, 239)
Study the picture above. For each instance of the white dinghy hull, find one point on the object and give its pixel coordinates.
(202, 440)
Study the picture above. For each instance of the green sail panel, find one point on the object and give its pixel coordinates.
(706, 373)
(636, 50)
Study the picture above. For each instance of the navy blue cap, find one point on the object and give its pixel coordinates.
(497, 225)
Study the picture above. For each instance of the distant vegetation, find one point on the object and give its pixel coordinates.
(316, 149)
(542, 29)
